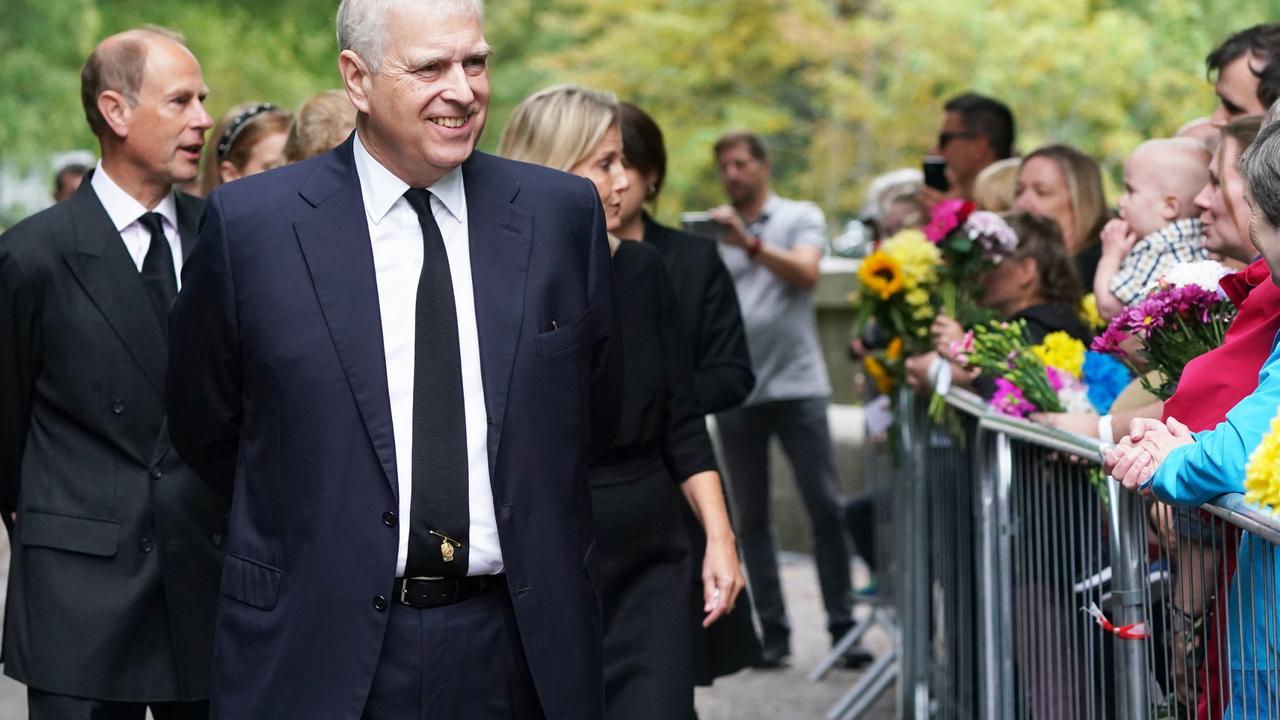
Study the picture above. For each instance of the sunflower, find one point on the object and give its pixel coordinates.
(881, 275)
(879, 375)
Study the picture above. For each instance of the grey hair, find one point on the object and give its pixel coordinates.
(362, 24)
(1272, 114)
(1260, 168)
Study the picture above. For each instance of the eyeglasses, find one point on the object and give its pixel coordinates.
(946, 137)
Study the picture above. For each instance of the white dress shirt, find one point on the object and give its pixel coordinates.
(397, 261)
(125, 211)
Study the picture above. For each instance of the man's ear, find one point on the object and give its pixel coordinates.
(116, 111)
(356, 78)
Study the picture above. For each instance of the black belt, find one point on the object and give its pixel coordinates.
(438, 592)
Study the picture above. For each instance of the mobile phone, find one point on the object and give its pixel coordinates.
(700, 223)
(935, 173)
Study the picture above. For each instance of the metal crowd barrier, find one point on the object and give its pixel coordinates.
(1018, 582)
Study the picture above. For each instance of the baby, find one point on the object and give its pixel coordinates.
(1159, 224)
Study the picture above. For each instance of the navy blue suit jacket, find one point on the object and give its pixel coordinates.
(278, 398)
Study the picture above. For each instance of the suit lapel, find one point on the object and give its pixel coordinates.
(189, 207)
(335, 242)
(103, 267)
(501, 238)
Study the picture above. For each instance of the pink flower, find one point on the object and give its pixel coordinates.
(961, 348)
(1008, 399)
(1110, 339)
(945, 217)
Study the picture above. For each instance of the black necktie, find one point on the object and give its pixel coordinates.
(157, 267)
(440, 518)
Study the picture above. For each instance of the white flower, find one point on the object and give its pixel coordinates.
(1075, 398)
(991, 233)
(1205, 273)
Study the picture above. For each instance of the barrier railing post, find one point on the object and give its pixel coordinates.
(1129, 578)
(913, 692)
(993, 467)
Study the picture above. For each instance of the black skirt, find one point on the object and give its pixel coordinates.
(645, 564)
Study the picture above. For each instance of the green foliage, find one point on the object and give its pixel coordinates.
(843, 89)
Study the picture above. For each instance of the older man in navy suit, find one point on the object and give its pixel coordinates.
(394, 360)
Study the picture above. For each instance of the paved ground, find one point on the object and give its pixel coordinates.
(749, 695)
(787, 694)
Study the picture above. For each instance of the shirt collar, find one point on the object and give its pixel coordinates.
(381, 188)
(122, 208)
(1178, 232)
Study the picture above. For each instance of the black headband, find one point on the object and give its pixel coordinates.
(238, 123)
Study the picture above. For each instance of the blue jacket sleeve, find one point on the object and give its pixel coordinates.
(1214, 464)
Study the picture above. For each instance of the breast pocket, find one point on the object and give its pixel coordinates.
(563, 338)
(250, 582)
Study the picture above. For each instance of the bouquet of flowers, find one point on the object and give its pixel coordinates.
(1172, 325)
(1262, 474)
(970, 243)
(1023, 381)
(896, 293)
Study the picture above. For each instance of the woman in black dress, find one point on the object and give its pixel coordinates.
(711, 327)
(661, 451)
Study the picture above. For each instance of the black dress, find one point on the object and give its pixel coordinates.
(644, 552)
(711, 327)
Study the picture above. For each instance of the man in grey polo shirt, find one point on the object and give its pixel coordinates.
(772, 247)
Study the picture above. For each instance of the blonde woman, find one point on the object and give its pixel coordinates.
(662, 443)
(321, 124)
(1062, 183)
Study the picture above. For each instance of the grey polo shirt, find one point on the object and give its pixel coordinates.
(782, 331)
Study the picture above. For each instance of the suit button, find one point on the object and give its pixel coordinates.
(117, 407)
(379, 603)
(389, 519)
(156, 474)
(145, 545)
(217, 539)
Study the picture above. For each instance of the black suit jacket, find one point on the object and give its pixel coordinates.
(710, 319)
(278, 397)
(114, 574)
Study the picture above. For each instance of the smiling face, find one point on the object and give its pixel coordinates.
(604, 167)
(422, 112)
(164, 131)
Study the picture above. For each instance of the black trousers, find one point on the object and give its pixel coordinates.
(49, 706)
(460, 661)
(801, 427)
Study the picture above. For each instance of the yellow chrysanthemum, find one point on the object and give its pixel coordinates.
(1061, 351)
(894, 351)
(879, 375)
(917, 257)
(881, 274)
(1089, 313)
(1262, 474)
(918, 297)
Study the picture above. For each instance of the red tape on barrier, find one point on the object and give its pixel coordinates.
(1135, 631)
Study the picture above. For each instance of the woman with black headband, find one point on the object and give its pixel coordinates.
(248, 139)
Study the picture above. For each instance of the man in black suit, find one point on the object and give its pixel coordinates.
(395, 359)
(116, 543)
